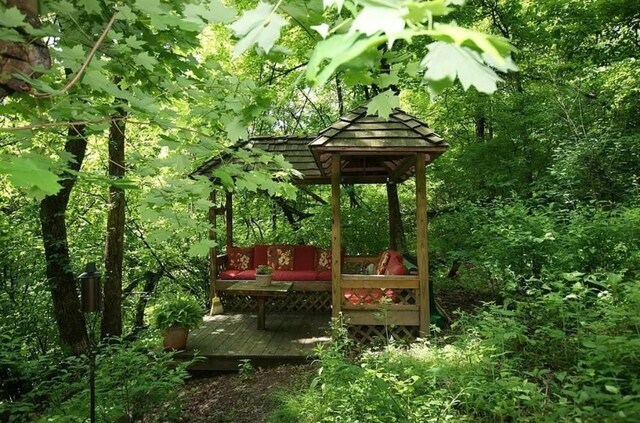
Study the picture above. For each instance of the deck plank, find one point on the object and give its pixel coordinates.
(224, 340)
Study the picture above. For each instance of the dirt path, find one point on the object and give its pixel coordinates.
(236, 398)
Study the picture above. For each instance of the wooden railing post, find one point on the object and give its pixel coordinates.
(336, 269)
(422, 251)
(213, 265)
(228, 208)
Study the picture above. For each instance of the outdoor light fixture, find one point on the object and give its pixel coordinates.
(91, 291)
(91, 299)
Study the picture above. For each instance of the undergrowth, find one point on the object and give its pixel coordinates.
(568, 351)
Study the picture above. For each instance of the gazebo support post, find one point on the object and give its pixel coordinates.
(336, 270)
(228, 209)
(422, 248)
(213, 265)
(396, 234)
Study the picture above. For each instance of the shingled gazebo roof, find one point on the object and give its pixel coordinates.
(373, 150)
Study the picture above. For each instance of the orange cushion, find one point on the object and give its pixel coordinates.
(280, 257)
(239, 258)
(304, 257)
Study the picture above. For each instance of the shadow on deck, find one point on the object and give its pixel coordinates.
(225, 339)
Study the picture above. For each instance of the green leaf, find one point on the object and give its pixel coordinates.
(374, 19)
(201, 248)
(32, 174)
(71, 57)
(145, 60)
(329, 3)
(257, 26)
(497, 47)
(446, 62)
(151, 7)
(91, 6)
(337, 50)
(7, 34)
(383, 104)
(11, 17)
(225, 178)
(420, 12)
(213, 12)
(612, 389)
(236, 130)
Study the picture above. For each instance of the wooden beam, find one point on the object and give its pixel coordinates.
(336, 270)
(213, 264)
(380, 281)
(391, 317)
(422, 251)
(228, 208)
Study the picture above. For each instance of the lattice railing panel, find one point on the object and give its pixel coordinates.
(294, 301)
(363, 296)
(365, 334)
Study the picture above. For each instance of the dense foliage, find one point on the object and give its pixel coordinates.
(535, 206)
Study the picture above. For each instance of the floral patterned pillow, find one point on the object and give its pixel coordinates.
(323, 260)
(239, 258)
(382, 263)
(280, 257)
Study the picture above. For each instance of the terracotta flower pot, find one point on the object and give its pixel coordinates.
(175, 338)
(263, 280)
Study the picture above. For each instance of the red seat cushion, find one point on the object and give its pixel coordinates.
(325, 275)
(228, 274)
(237, 275)
(239, 258)
(247, 274)
(260, 255)
(304, 257)
(385, 257)
(294, 275)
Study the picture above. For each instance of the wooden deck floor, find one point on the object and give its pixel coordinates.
(225, 339)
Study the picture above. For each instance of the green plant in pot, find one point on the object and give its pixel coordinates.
(263, 275)
(175, 317)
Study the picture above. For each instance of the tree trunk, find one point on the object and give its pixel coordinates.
(150, 283)
(22, 57)
(114, 244)
(66, 305)
(397, 239)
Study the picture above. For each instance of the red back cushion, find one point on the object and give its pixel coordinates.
(396, 267)
(239, 258)
(323, 260)
(260, 255)
(381, 267)
(280, 257)
(304, 257)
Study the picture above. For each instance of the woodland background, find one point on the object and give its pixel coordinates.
(534, 210)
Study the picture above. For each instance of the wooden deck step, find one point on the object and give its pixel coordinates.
(224, 340)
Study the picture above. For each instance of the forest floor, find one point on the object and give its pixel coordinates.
(240, 397)
(248, 397)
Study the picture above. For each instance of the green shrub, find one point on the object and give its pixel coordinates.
(133, 382)
(180, 310)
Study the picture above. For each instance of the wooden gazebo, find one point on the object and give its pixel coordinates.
(357, 149)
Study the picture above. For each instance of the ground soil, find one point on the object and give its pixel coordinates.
(240, 398)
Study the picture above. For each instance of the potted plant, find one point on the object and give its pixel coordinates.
(263, 275)
(175, 317)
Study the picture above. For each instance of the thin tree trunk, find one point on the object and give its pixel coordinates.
(62, 282)
(114, 245)
(150, 283)
(397, 239)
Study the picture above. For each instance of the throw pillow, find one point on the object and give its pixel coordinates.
(280, 257)
(239, 258)
(323, 261)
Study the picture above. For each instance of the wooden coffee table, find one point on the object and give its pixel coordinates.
(260, 293)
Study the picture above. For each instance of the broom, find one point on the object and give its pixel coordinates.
(216, 305)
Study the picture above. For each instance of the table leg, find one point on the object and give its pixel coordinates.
(260, 312)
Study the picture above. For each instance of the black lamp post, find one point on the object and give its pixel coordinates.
(91, 299)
